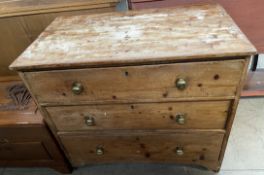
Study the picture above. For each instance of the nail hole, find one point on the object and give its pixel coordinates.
(216, 77)
(147, 155)
(113, 97)
(200, 85)
(126, 73)
(165, 94)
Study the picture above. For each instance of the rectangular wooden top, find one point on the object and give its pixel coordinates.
(175, 34)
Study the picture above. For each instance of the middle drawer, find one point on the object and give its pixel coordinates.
(166, 115)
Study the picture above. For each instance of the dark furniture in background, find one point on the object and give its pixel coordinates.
(25, 141)
(22, 21)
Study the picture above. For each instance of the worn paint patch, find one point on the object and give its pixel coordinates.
(152, 35)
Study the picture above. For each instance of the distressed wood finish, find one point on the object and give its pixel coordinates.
(127, 65)
(136, 83)
(141, 116)
(242, 12)
(201, 32)
(200, 148)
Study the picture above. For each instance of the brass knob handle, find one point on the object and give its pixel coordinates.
(99, 151)
(181, 119)
(77, 88)
(181, 83)
(89, 121)
(179, 151)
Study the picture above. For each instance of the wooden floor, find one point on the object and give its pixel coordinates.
(254, 86)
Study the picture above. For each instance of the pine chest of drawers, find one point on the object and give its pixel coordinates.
(142, 86)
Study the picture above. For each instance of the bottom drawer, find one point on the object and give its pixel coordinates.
(176, 147)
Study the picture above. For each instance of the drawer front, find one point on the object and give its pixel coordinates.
(195, 147)
(22, 151)
(137, 83)
(191, 115)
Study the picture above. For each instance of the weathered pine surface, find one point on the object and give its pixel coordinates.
(187, 32)
(106, 97)
(141, 116)
(201, 147)
(241, 11)
(137, 83)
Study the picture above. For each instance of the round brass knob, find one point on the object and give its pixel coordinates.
(180, 119)
(99, 151)
(179, 151)
(77, 88)
(181, 83)
(89, 121)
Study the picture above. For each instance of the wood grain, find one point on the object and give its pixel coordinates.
(20, 31)
(204, 31)
(15, 111)
(25, 141)
(242, 12)
(141, 116)
(135, 83)
(200, 148)
(13, 40)
(232, 112)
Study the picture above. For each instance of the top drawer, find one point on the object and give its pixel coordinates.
(137, 83)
